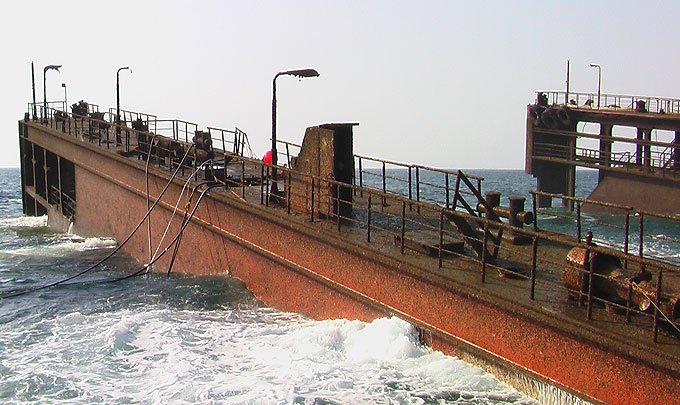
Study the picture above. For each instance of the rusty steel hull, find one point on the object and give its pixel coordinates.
(295, 266)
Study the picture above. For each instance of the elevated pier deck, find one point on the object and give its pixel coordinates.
(331, 248)
(634, 143)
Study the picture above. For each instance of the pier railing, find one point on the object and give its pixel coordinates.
(431, 234)
(127, 117)
(661, 160)
(104, 130)
(417, 182)
(616, 226)
(397, 224)
(613, 101)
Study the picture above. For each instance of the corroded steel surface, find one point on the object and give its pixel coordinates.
(297, 266)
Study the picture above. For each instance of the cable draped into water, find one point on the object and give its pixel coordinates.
(108, 256)
(146, 176)
(179, 198)
(185, 223)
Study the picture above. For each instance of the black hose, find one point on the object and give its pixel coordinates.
(184, 219)
(108, 256)
(172, 242)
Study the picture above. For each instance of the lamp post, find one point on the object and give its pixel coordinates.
(65, 98)
(599, 81)
(299, 73)
(45, 69)
(118, 100)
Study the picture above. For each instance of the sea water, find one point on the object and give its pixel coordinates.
(180, 339)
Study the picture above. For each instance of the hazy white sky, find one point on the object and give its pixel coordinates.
(443, 83)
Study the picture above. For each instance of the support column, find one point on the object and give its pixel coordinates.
(23, 129)
(605, 148)
(47, 182)
(638, 147)
(676, 151)
(61, 205)
(571, 176)
(648, 148)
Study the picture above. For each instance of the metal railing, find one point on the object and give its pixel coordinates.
(369, 222)
(417, 182)
(613, 101)
(653, 159)
(127, 117)
(232, 140)
(64, 202)
(614, 224)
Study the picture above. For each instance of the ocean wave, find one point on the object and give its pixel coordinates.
(24, 222)
(61, 244)
(156, 354)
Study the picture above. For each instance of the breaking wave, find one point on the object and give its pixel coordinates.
(157, 355)
(60, 245)
(24, 222)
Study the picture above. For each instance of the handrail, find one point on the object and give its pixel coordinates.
(428, 220)
(659, 105)
(655, 159)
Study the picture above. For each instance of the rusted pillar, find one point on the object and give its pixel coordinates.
(648, 148)
(605, 148)
(676, 151)
(638, 147)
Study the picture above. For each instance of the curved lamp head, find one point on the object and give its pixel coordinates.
(50, 67)
(124, 68)
(595, 65)
(300, 73)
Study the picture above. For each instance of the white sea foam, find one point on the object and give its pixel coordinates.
(61, 244)
(244, 356)
(24, 222)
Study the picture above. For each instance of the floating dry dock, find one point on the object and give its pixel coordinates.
(479, 280)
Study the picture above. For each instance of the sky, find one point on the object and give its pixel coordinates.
(439, 83)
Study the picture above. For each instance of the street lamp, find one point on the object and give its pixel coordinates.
(65, 98)
(599, 81)
(118, 100)
(48, 67)
(298, 73)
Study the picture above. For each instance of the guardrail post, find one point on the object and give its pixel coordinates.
(403, 225)
(410, 188)
(288, 192)
(657, 309)
(243, 178)
(627, 231)
(534, 209)
(361, 179)
(642, 233)
(446, 175)
(628, 300)
(368, 219)
(261, 185)
(418, 188)
(578, 221)
(534, 257)
(441, 238)
(589, 307)
(267, 189)
(485, 241)
(384, 188)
